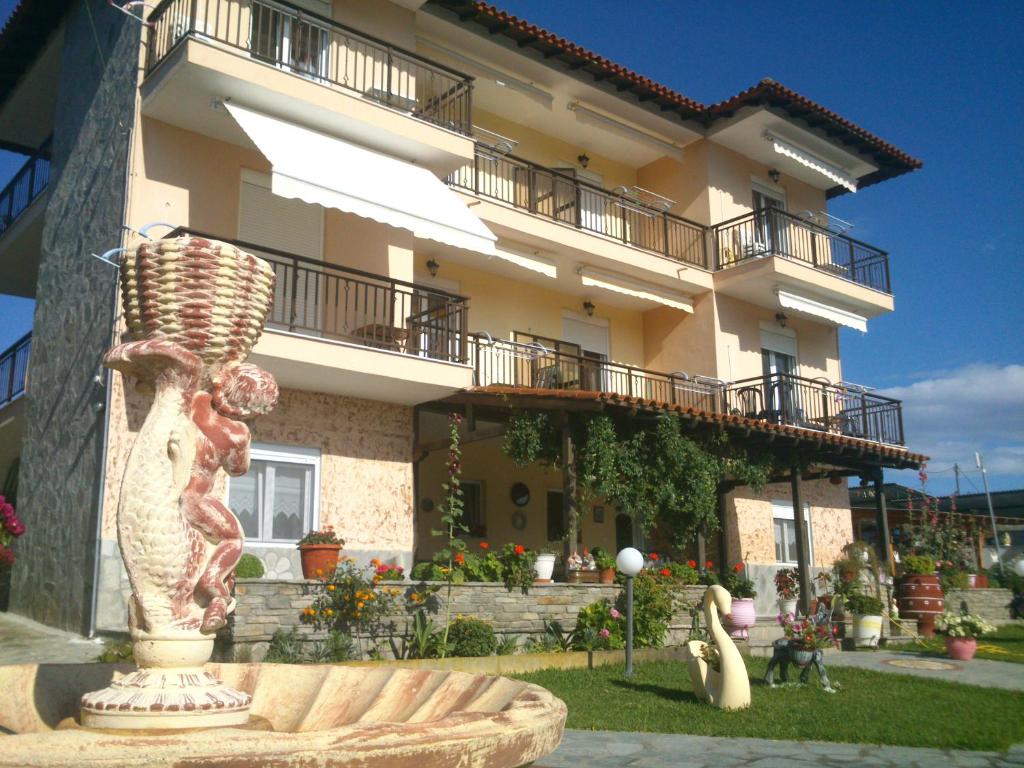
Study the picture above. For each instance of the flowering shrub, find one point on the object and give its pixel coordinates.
(600, 626)
(919, 565)
(517, 562)
(738, 584)
(348, 599)
(11, 528)
(706, 574)
(787, 584)
(385, 572)
(963, 625)
(652, 609)
(805, 635)
(325, 535)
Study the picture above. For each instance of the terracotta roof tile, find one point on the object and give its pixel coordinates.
(711, 417)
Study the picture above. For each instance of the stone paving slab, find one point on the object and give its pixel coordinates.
(23, 641)
(990, 674)
(609, 749)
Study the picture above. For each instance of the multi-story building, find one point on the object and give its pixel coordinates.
(465, 212)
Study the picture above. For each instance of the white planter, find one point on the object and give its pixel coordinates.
(544, 566)
(866, 630)
(787, 606)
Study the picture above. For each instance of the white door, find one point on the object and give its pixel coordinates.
(592, 338)
(769, 226)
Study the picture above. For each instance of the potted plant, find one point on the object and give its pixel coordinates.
(919, 595)
(962, 632)
(867, 618)
(605, 562)
(544, 565)
(743, 615)
(805, 637)
(787, 587)
(518, 567)
(318, 551)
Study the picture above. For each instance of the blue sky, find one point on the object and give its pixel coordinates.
(941, 81)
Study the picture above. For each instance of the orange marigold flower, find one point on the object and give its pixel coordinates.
(331, 587)
(520, 549)
(319, 571)
(484, 545)
(360, 605)
(375, 561)
(460, 559)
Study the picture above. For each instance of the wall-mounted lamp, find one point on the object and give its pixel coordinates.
(584, 161)
(780, 318)
(433, 266)
(774, 174)
(588, 307)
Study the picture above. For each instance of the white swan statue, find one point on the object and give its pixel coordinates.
(729, 686)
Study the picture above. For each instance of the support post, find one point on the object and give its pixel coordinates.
(702, 549)
(723, 538)
(629, 626)
(803, 566)
(570, 512)
(882, 523)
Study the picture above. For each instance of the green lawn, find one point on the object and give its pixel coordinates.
(1007, 644)
(870, 707)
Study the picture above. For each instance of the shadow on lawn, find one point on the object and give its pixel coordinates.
(673, 694)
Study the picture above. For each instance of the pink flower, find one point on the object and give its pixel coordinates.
(615, 613)
(604, 633)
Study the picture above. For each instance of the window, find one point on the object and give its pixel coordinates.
(473, 508)
(785, 532)
(556, 516)
(277, 500)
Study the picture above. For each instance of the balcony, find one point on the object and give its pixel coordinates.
(344, 331)
(560, 197)
(817, 404)
(317, 49)
(14, 370)
(28, 184)
(813, 404)
(22, 203)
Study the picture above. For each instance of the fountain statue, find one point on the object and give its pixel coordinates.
(194, 308)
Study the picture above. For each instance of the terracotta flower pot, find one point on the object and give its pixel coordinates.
(322, 558)
(920, 597)
(961, 648)
(607, 575)
(742, 618)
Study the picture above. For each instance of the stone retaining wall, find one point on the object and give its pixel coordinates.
(265, 605)
(993, 605)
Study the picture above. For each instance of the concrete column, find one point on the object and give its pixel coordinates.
(803, 566)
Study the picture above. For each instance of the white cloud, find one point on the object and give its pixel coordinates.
(974, 408)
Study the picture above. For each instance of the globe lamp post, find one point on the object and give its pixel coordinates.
(629, 562)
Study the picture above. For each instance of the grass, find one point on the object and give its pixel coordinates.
(1006, 644)
(870, 707)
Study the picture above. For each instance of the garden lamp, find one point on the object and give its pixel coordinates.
(629, 562)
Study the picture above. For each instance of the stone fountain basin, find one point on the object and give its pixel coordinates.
(303, 716)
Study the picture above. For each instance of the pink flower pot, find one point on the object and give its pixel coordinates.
(961, 648)
(742, 618)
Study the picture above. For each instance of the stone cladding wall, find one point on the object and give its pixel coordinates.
(993, 605)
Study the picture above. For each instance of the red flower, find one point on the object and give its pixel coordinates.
(520, 549)
(484, 545)
(709, 564)
(738, 567)
(460, 559)
(665, 572)
(692, 563)
(653, 556)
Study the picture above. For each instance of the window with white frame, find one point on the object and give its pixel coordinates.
(277, 500)
(785, 532)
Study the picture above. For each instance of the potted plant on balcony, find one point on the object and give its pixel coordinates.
(787, 587)
(318, 551)
(867, 618)
(605, 562)
(743, 615)
(962, 632)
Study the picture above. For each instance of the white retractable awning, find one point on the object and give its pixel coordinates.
(331, 172)
(813, 162)
(824, 311)
(532, 263)
(620, 284)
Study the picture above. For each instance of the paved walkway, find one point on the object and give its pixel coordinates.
(23, 641)
(990, 674)
(607, 749)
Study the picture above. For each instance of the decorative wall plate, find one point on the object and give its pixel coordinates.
(519, 520)
(520, 494)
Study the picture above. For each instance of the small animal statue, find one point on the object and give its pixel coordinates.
(782, 657)
(729, 686)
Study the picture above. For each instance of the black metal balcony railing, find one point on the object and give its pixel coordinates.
(774, 232)
(28, 183)
(14, 369)
(560, 196)
(518, 364)
(323, 300)
(818, 404)
(319, 49)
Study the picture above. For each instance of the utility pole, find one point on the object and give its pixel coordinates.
(956, 473)
(980, 463)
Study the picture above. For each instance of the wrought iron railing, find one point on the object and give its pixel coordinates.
(818, 404)
(534, 365)
(320, 49)
(323, 300)
(560, 196)
(28, 183)
(774, 232)
(14, 369)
